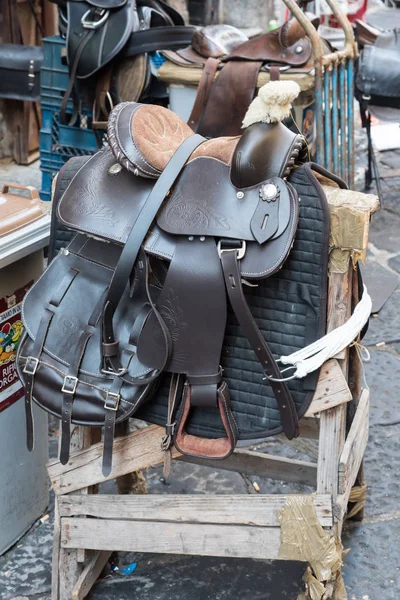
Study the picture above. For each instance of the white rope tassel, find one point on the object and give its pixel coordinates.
(311, 357)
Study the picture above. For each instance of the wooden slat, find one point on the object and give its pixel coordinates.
(332, 389)
(172, 538)
(138, 450)
(354, 448)
(333, 421)
(258, 510)
(309, 428)
(67, 566)
(141, 449)
(264, 465)
(182, 75)
(90, 574)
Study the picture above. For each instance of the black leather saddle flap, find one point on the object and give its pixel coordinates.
(379, 72)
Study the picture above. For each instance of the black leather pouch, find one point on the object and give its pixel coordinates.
(378, 76)
(20, 71)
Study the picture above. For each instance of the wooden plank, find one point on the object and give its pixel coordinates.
(55, 561)
(264, 465)
(171, 538)
(356, 374)
(138, 450)
(333, 421)
(354, 448)
(90, 574)
(141, 449)
(332, 389)
(259, 510)
(70, 560)
(171, 73)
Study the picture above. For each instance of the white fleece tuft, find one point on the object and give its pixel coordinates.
(273, 103)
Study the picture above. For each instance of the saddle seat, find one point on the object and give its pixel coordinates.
(144, 137)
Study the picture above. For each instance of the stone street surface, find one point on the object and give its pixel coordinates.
(372, 568)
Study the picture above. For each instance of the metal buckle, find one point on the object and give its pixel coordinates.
(35, 363)
(240, 252)
(69, 385)
(121, 371)
(366, 97)
(281, 69)
(116, 397)
(103, 14)
(281, 379)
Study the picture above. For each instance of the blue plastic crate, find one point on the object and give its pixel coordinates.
(47, 179)
(54, 53)
(59, 143)
(54, 135)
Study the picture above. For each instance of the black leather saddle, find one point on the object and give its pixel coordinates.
(180, 243)
(100, 32)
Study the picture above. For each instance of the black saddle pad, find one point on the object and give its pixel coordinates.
(290, 310)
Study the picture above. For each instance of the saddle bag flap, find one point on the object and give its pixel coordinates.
(20, 71)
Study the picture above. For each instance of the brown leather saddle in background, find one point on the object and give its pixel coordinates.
(185, 254)
(220, 105)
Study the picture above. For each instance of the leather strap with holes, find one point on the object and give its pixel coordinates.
(233, 282)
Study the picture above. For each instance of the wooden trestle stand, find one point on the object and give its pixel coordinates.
(254, 526)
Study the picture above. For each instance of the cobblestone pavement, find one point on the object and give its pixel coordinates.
(372, 568)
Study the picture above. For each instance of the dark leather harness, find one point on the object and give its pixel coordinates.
(167, 231)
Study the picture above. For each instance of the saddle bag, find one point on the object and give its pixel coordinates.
(377, 85)
(192, 267)
(20, 71)
(378, 73)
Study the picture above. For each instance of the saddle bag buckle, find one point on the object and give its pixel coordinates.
(31, 365)
(240, 251)
(70, 384)
(90, 24)
(112, 401)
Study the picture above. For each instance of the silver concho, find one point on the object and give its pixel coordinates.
(299, 49)
(115, 169)
(269, 192)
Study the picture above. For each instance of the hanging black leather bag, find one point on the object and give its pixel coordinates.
(20, 71)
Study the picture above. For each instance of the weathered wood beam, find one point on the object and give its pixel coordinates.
(173, 538)
(141, 449)
(354, 447)
(258, 510)
(264, 465)
(90, 573)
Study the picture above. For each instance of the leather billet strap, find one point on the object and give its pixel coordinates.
(33, 361)
(203, 91)
(69, 388)
(236, 81)
(111, 407)
(155, 38)
(134, 242)
(72, 79)
(193, 445)
(231, 269)
(30, 368)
